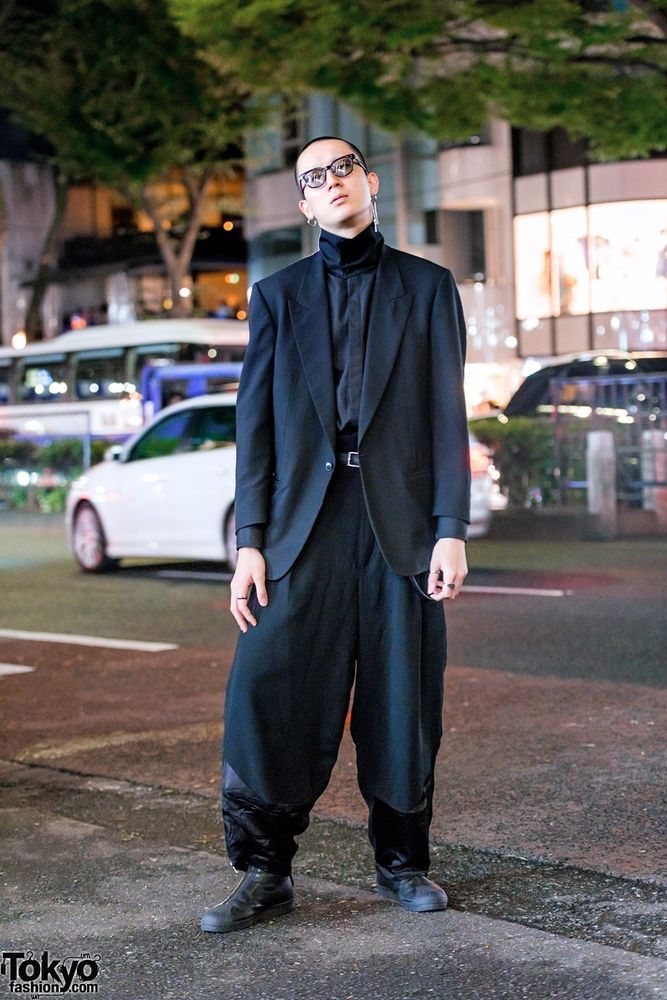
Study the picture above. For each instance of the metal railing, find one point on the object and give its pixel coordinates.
(634, 408)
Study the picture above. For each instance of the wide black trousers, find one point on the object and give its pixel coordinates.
(339, 617)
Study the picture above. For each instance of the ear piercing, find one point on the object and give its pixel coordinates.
(374, 211)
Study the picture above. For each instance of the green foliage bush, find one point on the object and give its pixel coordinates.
(523, 453)
(63, 457)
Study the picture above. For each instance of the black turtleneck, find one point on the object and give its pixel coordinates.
(350, 271)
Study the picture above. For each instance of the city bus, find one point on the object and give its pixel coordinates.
(87, 382)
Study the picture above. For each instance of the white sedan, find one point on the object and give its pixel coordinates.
(168, 492)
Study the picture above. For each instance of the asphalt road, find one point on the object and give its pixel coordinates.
(549, 784)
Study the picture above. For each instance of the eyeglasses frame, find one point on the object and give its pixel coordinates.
(343, 156)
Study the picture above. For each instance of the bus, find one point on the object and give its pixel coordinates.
(86, 383)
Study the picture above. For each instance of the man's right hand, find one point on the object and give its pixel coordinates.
(250, 569)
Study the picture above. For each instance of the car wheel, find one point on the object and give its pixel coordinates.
(230, 541)
(89, 543)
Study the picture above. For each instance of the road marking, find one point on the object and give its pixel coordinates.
(14, 668)
(192, 574)
(196, 732)
(87, 640)
(518, 591)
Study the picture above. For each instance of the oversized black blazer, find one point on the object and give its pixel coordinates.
(413, 435)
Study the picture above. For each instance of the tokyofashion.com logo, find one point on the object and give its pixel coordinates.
(43, 976)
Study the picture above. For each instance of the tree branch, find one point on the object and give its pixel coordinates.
(197, 187)
(504, 47)
(161, 237)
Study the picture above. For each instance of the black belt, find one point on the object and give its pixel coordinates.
(348, 458)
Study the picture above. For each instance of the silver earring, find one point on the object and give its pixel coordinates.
(312, 221)
(374, 211)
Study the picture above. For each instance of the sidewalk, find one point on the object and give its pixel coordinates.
(120, 886)
(548, 830)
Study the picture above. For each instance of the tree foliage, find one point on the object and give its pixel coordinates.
(444, 67)
(524, 455)
(126, 100)
(118, 89)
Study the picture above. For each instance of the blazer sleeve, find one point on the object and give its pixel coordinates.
(254, 423)
(449, 423)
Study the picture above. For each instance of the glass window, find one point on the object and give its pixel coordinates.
(293, 131)
(532, 266)
(163, 354)
(569, 262)
(5, 374)
(607, 258)
(628, 242)
(277, 145)
(274, 249)
(43, 379)
(221, 383)
(379, 142)
(351, 127)
(215, 427)
(463, 238)
(168, 437)
(100, 374)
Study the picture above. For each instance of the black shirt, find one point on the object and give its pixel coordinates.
(350, 265)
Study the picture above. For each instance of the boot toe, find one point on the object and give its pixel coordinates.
(259, 896)
(415, 893)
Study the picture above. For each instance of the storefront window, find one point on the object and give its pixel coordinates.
(601, 259)
(533, 265)
(628, 256)
(570, 283)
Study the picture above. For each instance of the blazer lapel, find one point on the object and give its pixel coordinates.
(388, 316)
(309, 314)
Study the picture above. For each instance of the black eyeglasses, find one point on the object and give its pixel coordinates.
(342, 166)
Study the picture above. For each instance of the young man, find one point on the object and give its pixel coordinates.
(352, 504)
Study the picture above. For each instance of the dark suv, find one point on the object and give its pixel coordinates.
(533, 397)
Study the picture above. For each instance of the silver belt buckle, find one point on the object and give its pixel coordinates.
(349, 459)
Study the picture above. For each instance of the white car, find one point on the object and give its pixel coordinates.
(168, 492)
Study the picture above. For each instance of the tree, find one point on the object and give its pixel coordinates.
(595, 68)
(126, 100)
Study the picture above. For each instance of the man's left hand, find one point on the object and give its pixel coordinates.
(449, 558)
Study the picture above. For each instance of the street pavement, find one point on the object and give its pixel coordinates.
(548, 831)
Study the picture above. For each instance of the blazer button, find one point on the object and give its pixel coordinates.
(328, 466)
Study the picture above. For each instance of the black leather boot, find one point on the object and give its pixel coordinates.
(415, 892)
(259, 896)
